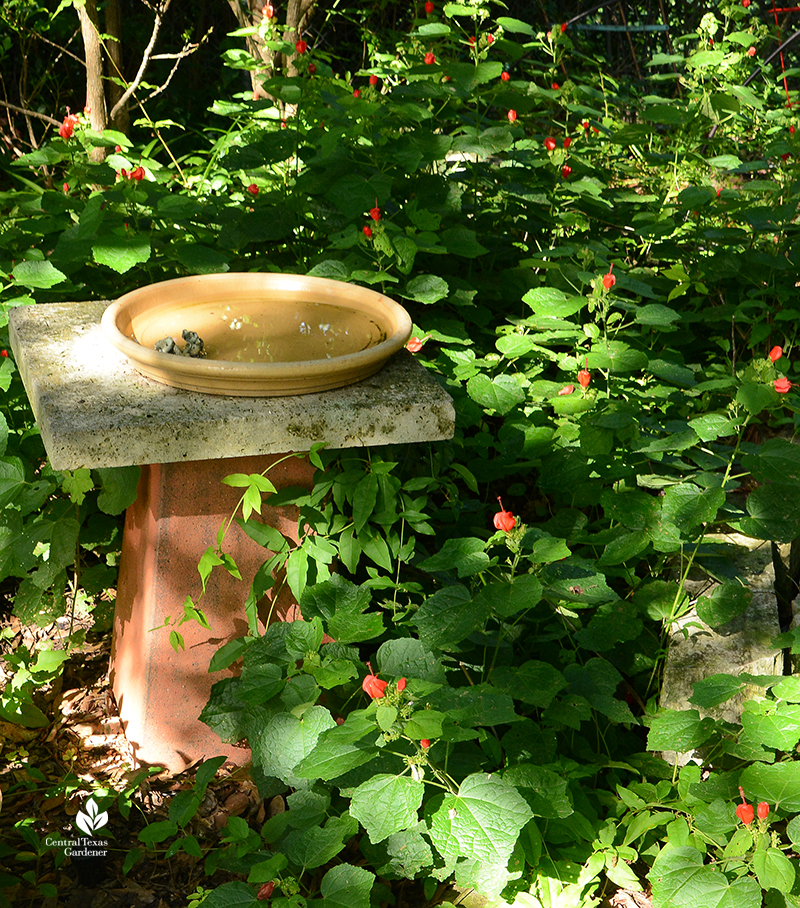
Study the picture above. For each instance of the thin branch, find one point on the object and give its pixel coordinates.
(159, 16)
(30, 113)
(187, 51)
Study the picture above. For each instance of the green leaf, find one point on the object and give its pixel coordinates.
(76, 483)
(710, 692)
(508, 599)
(482, 824)
(38, 275)
(688, 507)
(281, 743)
(199, 259)
(532, 682)
(551, 303)
(774, 513)
(231, 895)
(347, 886)
(409, 658)
(773, 725)
(426, 288)
(755, 397)
(544, 790)
(674, 730)
(774, 870)
(121, 253)
(726, 601)
(386, 804)
(680, 879)
(465, 555)
(777, 784)
(314, 846)
(500, 394)
(118, 487)
(449, 616)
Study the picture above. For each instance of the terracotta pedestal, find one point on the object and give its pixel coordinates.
(176, 517)
(94, 410)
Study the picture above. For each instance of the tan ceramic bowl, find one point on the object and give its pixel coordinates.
(266, 335)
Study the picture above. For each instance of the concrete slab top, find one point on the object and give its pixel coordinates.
(94, 410)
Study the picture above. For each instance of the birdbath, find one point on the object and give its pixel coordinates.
(94, 409)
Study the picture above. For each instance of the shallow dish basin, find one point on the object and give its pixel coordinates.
(265, 335)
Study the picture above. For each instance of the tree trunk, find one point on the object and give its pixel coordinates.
(121, 119)
(298, 14)
(95, 96)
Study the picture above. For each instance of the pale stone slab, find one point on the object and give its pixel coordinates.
(743, 645)
(94, 410)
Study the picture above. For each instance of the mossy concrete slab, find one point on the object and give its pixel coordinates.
(743, 645)
(94, 410)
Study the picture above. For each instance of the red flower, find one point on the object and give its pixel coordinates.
(550, 143)
(268, 11)
(373, 80)
(265, 892)
(118, 148)
(763, 810)
(566, 170)
(138, 174)
(555, 86)
(375, 213)
(66, 129)
(584, 377)
(567, 142)
(252, 189)
(567, 389)
(357, 93)
(472, 41)
(782, 385)
(65, 187)
(300, 46)
(424, 743)
(563, 27)
(505, 76)
(512, 116)
(744, 810)
(429, 8)
(745, 813)
(3, 352)
(504, 520)
(585, 124)
(791, 130)
(745, 3)
(367, 231)
(775, 353)
(415, 344)
(430, 58)
(608, 279)
(401, 685)
(312, 68)
(373, 685)
(751, 52)
(490, 39)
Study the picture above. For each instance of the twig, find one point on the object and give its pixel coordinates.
(186, 52)
(30, 113)
(159, 16)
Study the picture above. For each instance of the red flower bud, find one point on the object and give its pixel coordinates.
(252, 189)
(367, 231)
(357, 93)
(550, 143)
(608, 279)
(512, 116)
(429, 8)
(373, 80)
(312, 69)
(763, 810)
(424, 743)
(265, 892)
(563, 27)
(401, 684)
(567, 389)
(505, 76)
(751, 52)
(375, 213)
(775, 353)
(566, 170)
(430, 58)
(300, 46)
(584, 377)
